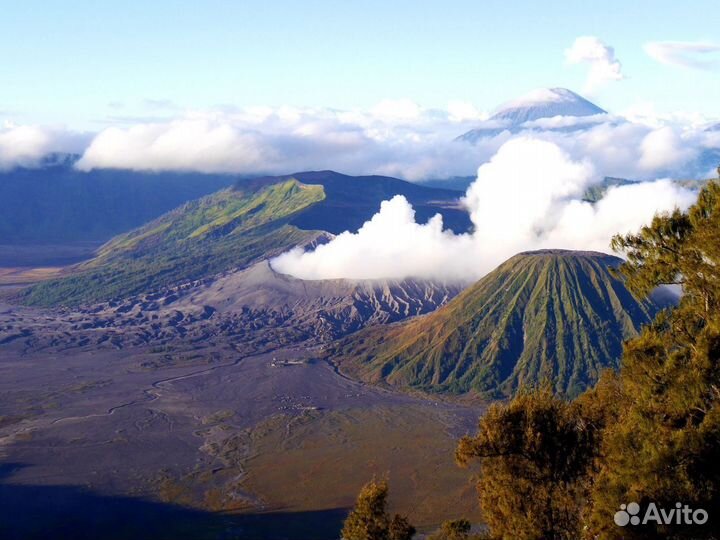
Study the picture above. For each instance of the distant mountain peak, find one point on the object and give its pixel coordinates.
(542, 103)
(546, 103)
(541, 96)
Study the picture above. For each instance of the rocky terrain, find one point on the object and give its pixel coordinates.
(256, 308)
(206, 406)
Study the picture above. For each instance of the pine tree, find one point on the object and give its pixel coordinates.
(664, 445)
(456, 529)
(651, 433)
(369, 519)
(534, 454)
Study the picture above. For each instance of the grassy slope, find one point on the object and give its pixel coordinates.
(235, 227)
(560, 316)
(58, 204)
(231, 228)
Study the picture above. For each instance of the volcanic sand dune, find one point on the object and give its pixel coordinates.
(213, 430)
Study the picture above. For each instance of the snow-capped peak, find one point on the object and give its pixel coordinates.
(546, 103)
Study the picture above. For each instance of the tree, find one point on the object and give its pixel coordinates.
(457, 529)
(664, 444)
(369, 519)
(534, 455)
(400, 528)
(651, 433)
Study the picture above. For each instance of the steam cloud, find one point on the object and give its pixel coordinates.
(528, 196)
(604, 67)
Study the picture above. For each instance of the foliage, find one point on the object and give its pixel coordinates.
(456, 529)
(534, 454)
(664, 446)
(650, 433)
(369, 519)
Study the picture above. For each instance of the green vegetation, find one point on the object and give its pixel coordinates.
(651, 433)
(369, 520)
(456, 529)
(534, 454)
(547, 315)
(58, 204)
(231, 228)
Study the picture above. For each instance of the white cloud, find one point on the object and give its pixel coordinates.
(396, 138)
(25, 146)
(519, 192)
(528, 196)
(22, 144)
(655, 147)
(461, 111)
(604, 67)
(562, 122)
(687, 54)
(391, 244)
(646, 112)
(402, 140)
(179, 145)
(663, 147)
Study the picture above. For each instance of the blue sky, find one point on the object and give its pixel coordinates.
(81, 63)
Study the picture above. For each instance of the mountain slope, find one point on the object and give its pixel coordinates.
(57, 203)
(555, 315)
(539, 104)
(546, 103)
(351, 200)
(334, 307)
(235, 227)
(255, 309)
(231, 228)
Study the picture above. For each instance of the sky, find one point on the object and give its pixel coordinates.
(383, 87)
(89, 64)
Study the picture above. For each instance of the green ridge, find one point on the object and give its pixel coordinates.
(231, 228)
(556, 316)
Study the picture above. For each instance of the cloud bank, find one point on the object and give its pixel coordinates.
(686, 54)
(26, 146)
(528, 196)
(396, 138)
(603, 66)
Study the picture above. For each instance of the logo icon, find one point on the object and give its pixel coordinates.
(627, 514)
